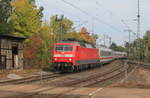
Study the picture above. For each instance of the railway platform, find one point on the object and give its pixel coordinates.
(22, 91)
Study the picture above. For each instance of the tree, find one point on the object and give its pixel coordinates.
(55, 26)
(48, 39)
(31, 1)
(67, 25)
(95, 36)
(145, 46)
(115, 47)
(61, 26)
(25, 19)
(31, 52)
(5, 12)
(72, 34)
(84, 35)
(147, 38)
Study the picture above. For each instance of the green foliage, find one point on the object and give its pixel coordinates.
(31, 1)
(61, 26)
(5, 12)
(145, 46)
(115, 47)
(54, 26)
(47, 38)
(72, 34)
(5, 9)
(82, 35)
(139, 48)
(95, 36)
(25, 19)
(67, 25)
(22, 18)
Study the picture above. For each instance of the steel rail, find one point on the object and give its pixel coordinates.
(29, 79)
(140, 64)
(101, 80)
(80, 81)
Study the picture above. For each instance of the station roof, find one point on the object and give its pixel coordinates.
(2, 36)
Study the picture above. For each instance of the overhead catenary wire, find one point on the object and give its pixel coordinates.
(70, 14)
(127, 26)
(86, 13)
(84, 22)
(75, 7)
(107, 10)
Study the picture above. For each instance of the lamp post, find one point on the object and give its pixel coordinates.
(59, 20)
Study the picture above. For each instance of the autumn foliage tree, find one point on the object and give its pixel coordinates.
(26, 22)
(60, 27)
(72, 34)
(25, 18)
(31, 52)
(140, 48)
(82, 35)
(48, 38)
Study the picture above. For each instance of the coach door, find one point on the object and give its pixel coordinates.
(2, 62)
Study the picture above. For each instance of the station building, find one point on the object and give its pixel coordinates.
(11, 52)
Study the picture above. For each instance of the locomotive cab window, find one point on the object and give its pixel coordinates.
(64, 48)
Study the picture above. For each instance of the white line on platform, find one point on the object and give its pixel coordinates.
(94, 92)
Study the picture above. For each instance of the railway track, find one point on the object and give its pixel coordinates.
(82, 82)
(140, 64)
(93, 79)
(30, 79)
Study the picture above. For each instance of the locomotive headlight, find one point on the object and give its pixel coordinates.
(55, 59)
(69, 55)
(70, 59)
(57, 55)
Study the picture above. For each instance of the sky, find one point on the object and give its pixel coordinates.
(103, 17)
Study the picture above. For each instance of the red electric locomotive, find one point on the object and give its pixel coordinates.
(71, 54)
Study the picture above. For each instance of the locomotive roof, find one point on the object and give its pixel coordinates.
(71, 42)
(66, 43)
(75, 40)
(80, 42)
(6, 36)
